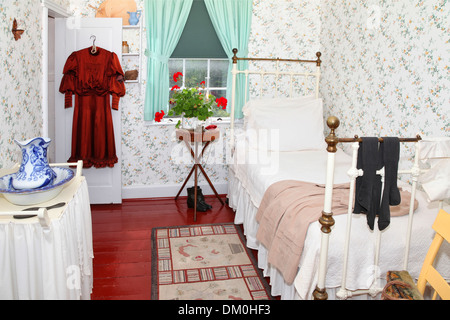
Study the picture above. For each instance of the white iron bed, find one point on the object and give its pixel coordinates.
(293, 148)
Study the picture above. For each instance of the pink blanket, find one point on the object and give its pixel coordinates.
(286, 211)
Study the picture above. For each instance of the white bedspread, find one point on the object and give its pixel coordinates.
(248, 183)
(309, 166)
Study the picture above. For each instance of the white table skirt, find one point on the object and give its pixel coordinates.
(53, 264)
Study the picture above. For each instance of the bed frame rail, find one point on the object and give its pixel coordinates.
(277, 73)
(327, 220)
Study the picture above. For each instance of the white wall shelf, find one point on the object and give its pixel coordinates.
(135, 55)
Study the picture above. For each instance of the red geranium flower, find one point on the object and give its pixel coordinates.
(177, 76)
(222, 102)
(159, 116)
(176, 88)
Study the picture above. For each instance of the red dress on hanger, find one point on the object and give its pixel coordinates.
(93, 78)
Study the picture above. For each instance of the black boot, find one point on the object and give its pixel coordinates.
(201, 198)
(202, 206)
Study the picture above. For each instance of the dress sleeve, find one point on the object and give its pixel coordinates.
(117, 81)
(68, 83)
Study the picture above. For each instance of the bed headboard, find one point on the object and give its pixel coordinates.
(277, 73)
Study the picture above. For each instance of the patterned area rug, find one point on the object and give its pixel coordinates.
(204, 262)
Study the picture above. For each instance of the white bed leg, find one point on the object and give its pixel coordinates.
(318, 80)
(323, 260)
(329, 184)
(374, 289)
(353, 173)
(327, 220)
(415, 172)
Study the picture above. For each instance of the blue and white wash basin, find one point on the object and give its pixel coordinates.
(27, 197)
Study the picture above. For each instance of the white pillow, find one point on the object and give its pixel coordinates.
(285, 124)
(262, 103)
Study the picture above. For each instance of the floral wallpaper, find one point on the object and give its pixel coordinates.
(20, 70)
(284, 29)
(385, 71)
(386, 67)
(20, 76)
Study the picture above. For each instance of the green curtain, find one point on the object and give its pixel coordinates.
(232, 20)
(165, 21)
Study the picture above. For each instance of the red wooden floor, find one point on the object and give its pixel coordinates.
(122, 242)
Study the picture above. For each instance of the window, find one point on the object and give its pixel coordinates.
(199, 39)
(213, 71)
(199, 55)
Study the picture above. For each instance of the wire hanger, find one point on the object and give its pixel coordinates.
(94, 48)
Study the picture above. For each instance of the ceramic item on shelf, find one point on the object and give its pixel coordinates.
(30, 197)
(131, 75)
(34, 171)
(115, 9)
(125, 47)
(134, 17)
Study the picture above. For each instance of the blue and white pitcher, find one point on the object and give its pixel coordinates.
(34, 171)
(134, 17)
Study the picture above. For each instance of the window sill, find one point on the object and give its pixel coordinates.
(174, 121)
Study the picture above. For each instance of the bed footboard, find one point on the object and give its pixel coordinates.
(327, 220)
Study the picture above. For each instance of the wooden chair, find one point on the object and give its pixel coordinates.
(400, 285)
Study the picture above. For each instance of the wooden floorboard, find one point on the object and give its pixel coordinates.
(122, 242)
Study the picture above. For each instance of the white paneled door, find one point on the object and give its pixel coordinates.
(74, 34)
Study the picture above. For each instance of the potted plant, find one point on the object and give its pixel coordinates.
(194, 105)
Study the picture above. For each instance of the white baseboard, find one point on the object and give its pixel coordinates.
(167, 191)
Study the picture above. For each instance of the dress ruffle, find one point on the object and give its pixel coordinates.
(89, 163)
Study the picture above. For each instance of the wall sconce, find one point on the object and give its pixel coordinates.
(16, 32)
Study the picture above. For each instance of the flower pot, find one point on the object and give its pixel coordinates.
(193, 123)
(189, 123)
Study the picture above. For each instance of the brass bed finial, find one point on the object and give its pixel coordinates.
(332, 140)
(235, 58)
(319, 62)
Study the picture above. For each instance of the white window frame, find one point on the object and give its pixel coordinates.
(170, 120)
